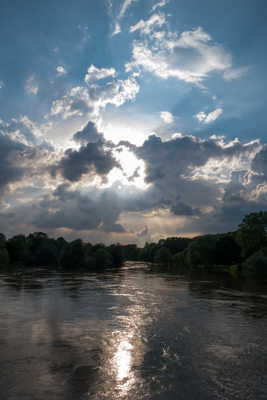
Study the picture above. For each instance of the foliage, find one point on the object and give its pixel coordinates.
(256, 264)
(242, 251)
(162, 256)
(4, 256)
(251, 235)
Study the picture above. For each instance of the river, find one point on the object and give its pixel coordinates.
(133, 333)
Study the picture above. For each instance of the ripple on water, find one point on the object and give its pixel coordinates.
(133, 334)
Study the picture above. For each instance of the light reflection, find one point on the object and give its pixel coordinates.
(128, 351)
(123, 359)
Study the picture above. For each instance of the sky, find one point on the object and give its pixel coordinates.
(132, 120)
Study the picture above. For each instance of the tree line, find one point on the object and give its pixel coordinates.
(243, 251)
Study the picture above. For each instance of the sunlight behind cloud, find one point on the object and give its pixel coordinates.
(133, 169)
(117, 132)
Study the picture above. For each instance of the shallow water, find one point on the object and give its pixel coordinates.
(131, 334)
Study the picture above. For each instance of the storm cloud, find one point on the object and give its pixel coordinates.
(12, 157)
(94, 157)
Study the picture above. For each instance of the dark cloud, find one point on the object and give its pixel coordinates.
(11, 158)
(94, 157)
(91, 159)
(96, 209)
(89, 134)
(206, 204)
(175, 157)
(180, 208)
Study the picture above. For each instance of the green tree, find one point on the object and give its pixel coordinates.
(18, 249)
(4, 256)
(227, 251)
(47, 253)
(73, 256)
(201, 252)
(163, 256)
(256, 264)
(103, 257)
(251, 235)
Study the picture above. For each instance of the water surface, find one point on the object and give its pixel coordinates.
(131, 334)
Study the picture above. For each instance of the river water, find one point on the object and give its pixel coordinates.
(133, 333)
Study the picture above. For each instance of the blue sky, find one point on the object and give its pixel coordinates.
(169, 98)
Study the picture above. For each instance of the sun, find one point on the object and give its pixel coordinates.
(132, 170)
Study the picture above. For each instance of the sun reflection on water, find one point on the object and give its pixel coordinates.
(128, 353)
(123, 359)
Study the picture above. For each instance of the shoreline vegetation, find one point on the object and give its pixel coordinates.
(242, 253)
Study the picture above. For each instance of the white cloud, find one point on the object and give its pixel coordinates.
(210, 117)
(147, 26)
(31, 86)
(2, 84)
(95, 74)
(74, 103)
(161, 3)
(235, 73)
(80, 101)
(167, 117)
(191, 56)
(61, 70)
(117, 29)
(125, 5)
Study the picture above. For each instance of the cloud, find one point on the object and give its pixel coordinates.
(180, 208)
(146, 27)
(235, 73)
(191, 56)
(161, 3)
(89, 134)
(117, 29)
(75, 103)
(61, 70)
(210, 117)
(20, 162)
(90, 160)
(32, 86)
(11, 155)
(93, 99)
(2, 84)
(166, 117)
(95, 74)
(67, 208)
(228, 177)
(93, 158)
(125, 5)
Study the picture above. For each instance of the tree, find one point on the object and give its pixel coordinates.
(73, 256)
(116, 250)
(163, 256)
(227, 250)
(103, 257)
(251, 235)
(201, 252)
(256, 264)
(18, 249)
(4, 256)
(175, 244)
(47, 253)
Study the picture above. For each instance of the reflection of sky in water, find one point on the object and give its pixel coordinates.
(130, 336)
